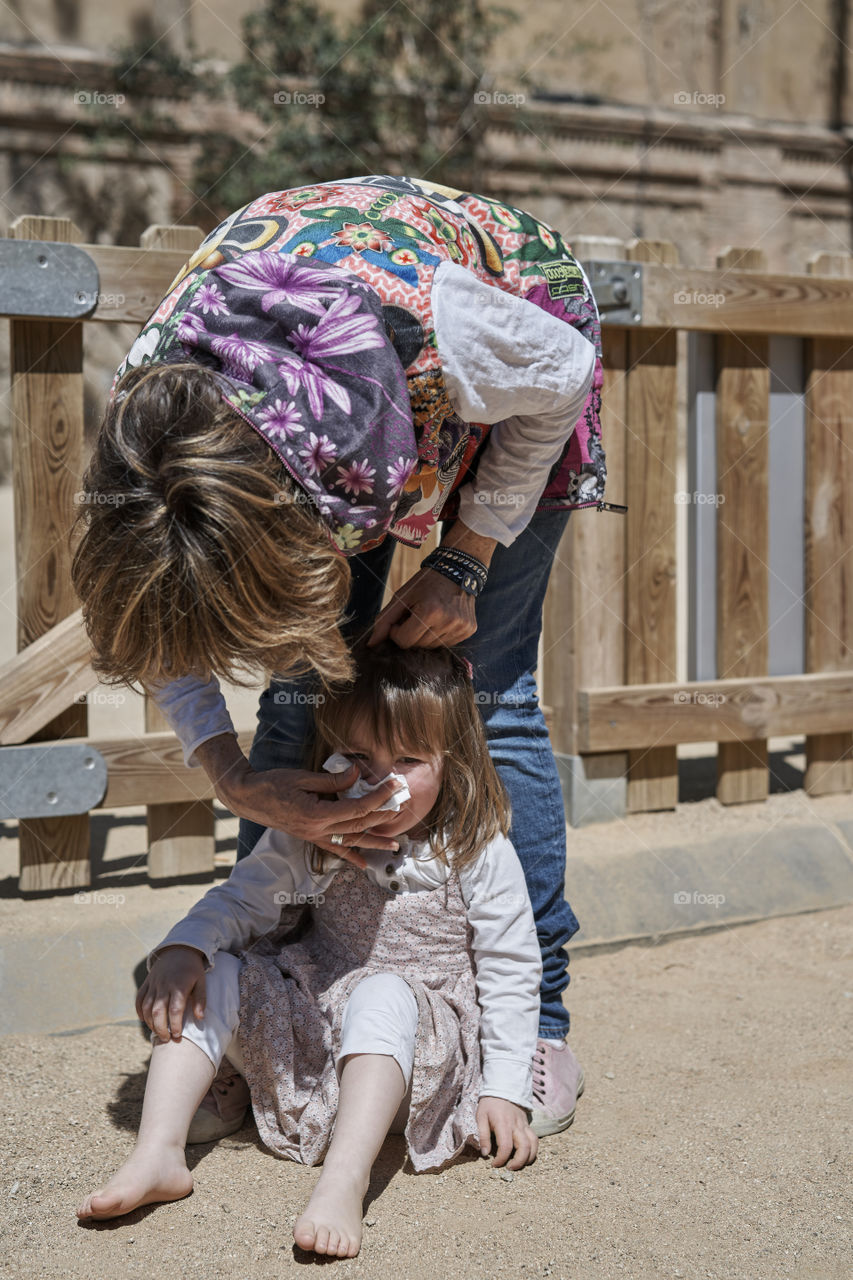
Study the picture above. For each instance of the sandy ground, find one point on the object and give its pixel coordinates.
(713, 1140)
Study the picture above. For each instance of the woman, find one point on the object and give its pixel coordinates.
(405, 354)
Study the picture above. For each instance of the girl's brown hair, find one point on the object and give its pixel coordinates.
(198, 552)
(421, 699)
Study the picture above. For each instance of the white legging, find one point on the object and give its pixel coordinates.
(381, 1016)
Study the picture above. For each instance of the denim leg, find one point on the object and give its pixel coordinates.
(504, 652)
(285, 716)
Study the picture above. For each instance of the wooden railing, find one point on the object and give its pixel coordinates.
(609, 669)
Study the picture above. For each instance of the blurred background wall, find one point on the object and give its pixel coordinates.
(703, 123)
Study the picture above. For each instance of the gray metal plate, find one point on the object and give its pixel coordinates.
(49, 781)
(46, 278)
(617, 287)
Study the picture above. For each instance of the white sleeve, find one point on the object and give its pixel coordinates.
(195, 710)
(509, 970)
(248, 905)
(508, 362)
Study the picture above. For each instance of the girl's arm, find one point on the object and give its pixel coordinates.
(249, 903)
(509, 970)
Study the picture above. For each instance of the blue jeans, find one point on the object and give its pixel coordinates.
(504, 653)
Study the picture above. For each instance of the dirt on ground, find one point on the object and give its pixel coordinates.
(713, 1141)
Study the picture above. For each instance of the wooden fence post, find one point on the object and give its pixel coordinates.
(829, 530)
(180, 836)
(46, 360)
(583, 627)
(651, 447)
(743, 407)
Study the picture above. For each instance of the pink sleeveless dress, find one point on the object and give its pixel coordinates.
(292, 998)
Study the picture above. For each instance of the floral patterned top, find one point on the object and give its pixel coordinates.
(313, 307)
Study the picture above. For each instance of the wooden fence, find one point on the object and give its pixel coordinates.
(608, 674)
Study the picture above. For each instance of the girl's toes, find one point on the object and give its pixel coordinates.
(321, 1240)
(304, 1233)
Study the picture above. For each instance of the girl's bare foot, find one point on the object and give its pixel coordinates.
(331, 1222)
(145, 1178)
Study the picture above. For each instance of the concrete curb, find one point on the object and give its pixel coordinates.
(74, 962)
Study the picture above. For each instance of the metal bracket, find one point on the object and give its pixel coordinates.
(618, 290)
(47, 278)
(50, 781)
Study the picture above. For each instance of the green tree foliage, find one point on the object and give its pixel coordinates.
(395, 90)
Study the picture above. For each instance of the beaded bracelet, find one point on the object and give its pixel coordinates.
(459, 566)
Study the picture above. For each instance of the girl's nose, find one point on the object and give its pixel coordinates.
(374, 771)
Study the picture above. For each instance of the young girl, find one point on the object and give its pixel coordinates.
(412, 995)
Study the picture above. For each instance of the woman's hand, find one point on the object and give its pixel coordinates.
(430, 610)
(508, 1123)
(304, 804)
(175, 976)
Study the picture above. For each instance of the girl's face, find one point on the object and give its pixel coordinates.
(421, 771)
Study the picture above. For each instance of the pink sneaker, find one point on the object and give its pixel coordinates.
(557, 1085)
(222, 1110)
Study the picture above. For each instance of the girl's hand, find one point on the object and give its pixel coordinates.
(175, 976)
(508, 1123)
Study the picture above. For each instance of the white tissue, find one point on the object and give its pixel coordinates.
(338, 763)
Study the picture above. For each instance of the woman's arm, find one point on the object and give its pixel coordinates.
(293, 800)
(508, 362)
(509, 970)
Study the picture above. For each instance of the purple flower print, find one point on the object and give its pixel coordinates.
(209, 298)
(357, 477)
(189, 328)
(398, 474)
(339, 332)
(282, 420)
(318, 453)
(316, 383)
(283, 279)
(242, 354)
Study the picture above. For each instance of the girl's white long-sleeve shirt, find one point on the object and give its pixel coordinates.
(505, 361)
(507, 958)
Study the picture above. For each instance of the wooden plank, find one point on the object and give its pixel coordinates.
(44, 678)
(152, 765)
(747, 302)
(743, 399)
(583, 644)
(723, 711)
(180, 835)
(181, 838)
(46, 364)
(650, 453)
(133, 282)
(829, 532)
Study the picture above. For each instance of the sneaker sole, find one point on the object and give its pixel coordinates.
(207, 1128)
(545, 1127)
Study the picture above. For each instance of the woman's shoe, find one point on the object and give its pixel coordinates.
(222, 1110)
(557, 1085)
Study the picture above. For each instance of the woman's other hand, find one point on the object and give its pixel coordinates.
(304, 804)
(431, 610)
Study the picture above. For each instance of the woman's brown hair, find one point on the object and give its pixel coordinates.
(198, 551)
(421, 699)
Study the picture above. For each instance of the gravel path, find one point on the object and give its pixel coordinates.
(713, 1141)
